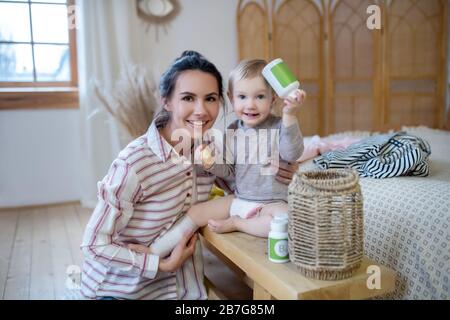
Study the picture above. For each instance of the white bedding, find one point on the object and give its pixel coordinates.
(407, 223)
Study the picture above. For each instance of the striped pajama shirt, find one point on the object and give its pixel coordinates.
(382, 156)
(141, 197)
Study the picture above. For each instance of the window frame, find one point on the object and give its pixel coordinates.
(44, 95)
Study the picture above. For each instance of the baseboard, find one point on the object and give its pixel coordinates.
(39, 206)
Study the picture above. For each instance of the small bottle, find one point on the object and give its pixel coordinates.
(280, 78)
(282, 217)
(278, 250)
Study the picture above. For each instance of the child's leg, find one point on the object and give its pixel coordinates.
(197, 216)
(219, 208)
(274, 208)
(258, 226)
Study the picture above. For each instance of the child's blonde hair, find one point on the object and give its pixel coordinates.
(246, 69)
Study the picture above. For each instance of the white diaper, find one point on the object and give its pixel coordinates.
(244, 208)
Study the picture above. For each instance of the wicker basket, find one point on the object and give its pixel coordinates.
(326, 223)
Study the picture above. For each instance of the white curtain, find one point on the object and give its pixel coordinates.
(107, 40)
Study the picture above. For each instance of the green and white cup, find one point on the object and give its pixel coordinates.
(281, 78)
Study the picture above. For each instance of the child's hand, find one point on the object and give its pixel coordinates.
(292, 105)
(204, 155)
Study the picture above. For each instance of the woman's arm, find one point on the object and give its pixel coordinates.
(197, 216)
(117, 193)
(182, 251)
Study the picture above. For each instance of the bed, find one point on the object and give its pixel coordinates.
(407, 222)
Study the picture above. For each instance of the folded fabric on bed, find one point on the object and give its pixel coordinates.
(382, 156)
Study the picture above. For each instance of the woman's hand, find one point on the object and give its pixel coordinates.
(183, 250)
(292, 105)
(286, 171)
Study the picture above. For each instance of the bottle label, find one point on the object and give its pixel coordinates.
(278, 249)
(282, 73)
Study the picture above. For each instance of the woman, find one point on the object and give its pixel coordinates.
(147, 189)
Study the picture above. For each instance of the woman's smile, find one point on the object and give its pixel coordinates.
(197, 123)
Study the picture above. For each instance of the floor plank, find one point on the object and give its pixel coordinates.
(75, 232)
(8, 228)
(18, 281)
(42, 276)
(61, 255)
(84, 214)
(38, 244)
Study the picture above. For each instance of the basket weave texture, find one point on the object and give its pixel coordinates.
(326, 232)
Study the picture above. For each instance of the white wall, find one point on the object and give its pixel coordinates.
(40, 149)
(39, 158)
(208, 26)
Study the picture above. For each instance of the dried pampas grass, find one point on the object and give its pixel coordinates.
(132, 101)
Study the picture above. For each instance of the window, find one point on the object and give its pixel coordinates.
(37, 54)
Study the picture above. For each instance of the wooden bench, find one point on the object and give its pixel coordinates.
(247, 256)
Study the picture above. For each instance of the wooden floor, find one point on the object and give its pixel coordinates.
(39, 245)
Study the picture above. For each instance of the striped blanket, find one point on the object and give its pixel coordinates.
(382, 156)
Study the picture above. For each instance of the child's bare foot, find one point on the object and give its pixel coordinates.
(223, 226)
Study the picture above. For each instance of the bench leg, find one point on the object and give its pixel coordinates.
(259, 293)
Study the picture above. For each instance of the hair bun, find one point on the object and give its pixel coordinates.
(191, 53)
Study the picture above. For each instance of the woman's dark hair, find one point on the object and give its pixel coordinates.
(189, 60)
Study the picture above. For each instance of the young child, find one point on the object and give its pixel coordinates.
(258, 195)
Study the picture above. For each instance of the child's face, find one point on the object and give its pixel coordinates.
(251, 100)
